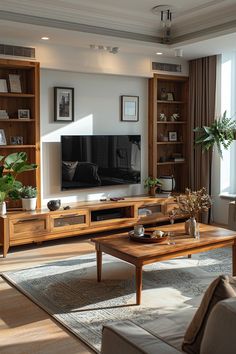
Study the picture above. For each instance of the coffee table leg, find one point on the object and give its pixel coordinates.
(99, 265)
(138, 285)
(234, 259)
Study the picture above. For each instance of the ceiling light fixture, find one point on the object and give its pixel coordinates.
(45, 38)
(166, 20)
(159, 53)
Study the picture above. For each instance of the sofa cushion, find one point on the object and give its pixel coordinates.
(219, 335)
(221, 288)
(128, 338)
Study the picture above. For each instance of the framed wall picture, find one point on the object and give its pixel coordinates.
(63, 104)
(172, 136)
(23, 113)
(129, 108)
(2, 138)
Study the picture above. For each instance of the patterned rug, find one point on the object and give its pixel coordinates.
(69, 292)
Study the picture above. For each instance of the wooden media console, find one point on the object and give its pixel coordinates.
(19, 227)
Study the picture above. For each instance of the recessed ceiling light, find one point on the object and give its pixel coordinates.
(45, 38)
(159, 53)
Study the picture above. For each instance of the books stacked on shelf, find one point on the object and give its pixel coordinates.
(177, 157)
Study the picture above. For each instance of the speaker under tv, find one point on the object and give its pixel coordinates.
(89, 161)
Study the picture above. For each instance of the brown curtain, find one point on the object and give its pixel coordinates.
(202, 86)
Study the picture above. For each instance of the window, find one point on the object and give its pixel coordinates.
(228, 103)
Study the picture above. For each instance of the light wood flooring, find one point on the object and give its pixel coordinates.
(24, 327)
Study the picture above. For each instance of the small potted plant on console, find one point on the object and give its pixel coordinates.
(152, 183)
(29, 197)
(11, 166)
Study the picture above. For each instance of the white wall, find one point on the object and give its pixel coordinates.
(97, 111)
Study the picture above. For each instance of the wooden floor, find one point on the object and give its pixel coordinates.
(24, 327)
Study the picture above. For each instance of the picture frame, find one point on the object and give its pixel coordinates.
(172, 136)
(63, 104)
(2, 137)
(129, 108)
(16, 140)
(15, 84)
(23, 114)
(170, 96)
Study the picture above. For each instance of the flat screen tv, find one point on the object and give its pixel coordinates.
(100, 160)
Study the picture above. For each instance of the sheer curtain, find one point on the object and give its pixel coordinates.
(228, 103)
(202, 86)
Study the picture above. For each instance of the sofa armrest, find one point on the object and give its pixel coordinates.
(126, 337)
(219, 335)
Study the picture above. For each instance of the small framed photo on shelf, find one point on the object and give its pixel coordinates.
(170, 96)
(172, 136)
(63, 104)
(3, 85)
(16, 140)
(2, 138)
(15, 84)
(23, 113)
(130, 108)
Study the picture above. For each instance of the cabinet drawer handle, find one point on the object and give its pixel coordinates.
(29, 220)
(69, 216)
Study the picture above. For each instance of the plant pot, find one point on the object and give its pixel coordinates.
(3, 208)
(152, 191)
(29, 203)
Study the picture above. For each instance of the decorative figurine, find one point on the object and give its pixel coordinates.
(163, 117)
(174, 117)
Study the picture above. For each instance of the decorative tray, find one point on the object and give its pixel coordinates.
(146, 238)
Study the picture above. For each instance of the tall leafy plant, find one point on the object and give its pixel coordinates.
(220, 132)
(10, 167)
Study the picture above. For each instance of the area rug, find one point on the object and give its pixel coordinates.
(69, 292)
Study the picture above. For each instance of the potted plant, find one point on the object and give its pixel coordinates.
(10, 167)
(152, 183)
(29, 197)
(220, 132)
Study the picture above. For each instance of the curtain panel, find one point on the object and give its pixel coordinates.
(202, 96)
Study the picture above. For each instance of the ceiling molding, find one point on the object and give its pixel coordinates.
(215, 31)
(79, 27)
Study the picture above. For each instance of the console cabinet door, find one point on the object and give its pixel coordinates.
(28, 229)
(69, 221)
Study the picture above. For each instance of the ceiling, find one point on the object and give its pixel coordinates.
(199, 27)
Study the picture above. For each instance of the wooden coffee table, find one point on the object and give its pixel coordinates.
(139, 254)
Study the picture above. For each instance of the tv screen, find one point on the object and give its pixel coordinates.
(100, 160)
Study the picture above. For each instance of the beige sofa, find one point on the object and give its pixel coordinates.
(165, 334)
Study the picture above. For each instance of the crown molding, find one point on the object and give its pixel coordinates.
(79, 27)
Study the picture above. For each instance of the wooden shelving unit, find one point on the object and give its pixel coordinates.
(163, 152)
(27, 128)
